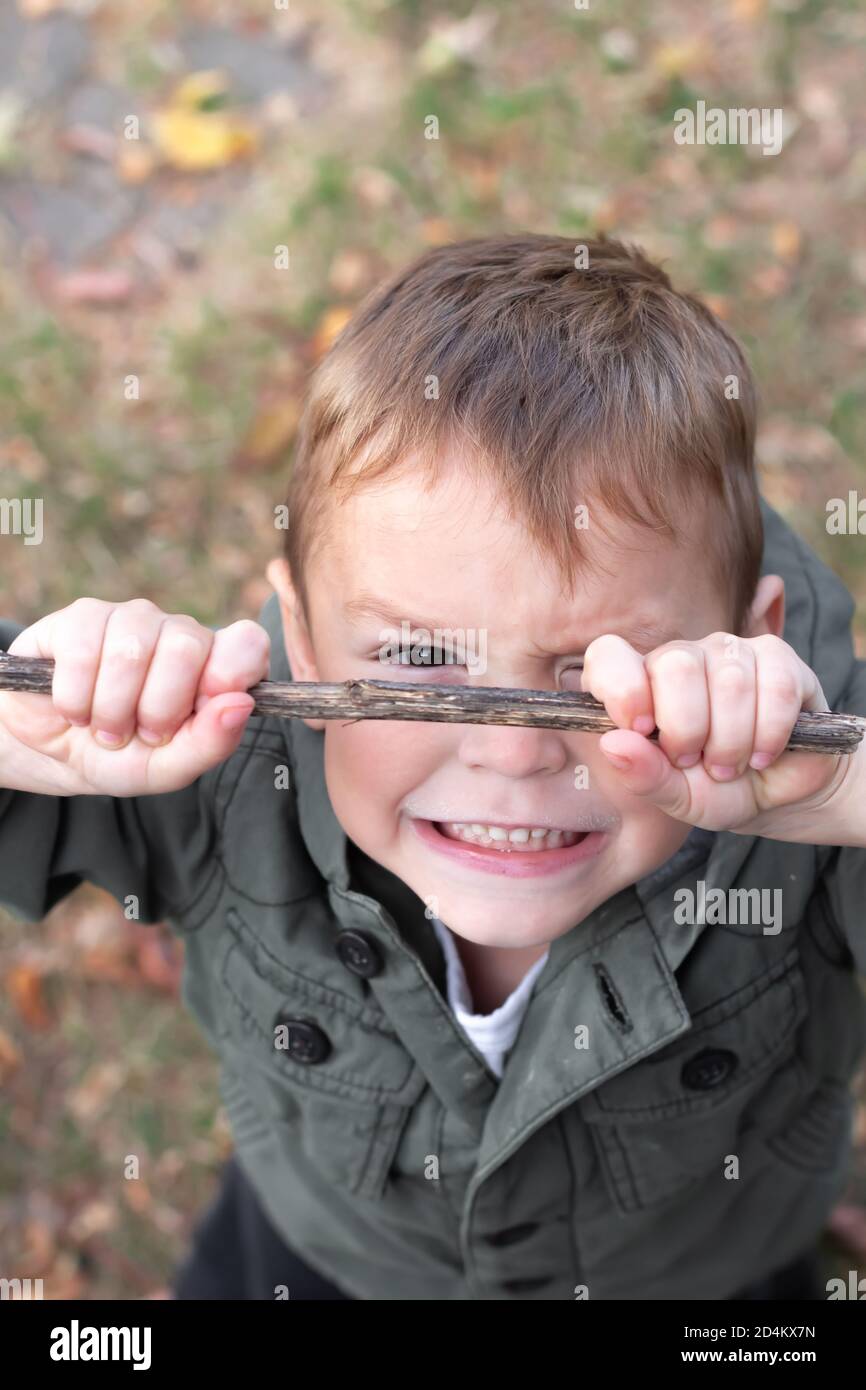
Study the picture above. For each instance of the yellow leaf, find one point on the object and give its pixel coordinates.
(785, 240)
(198, 140)
(198, 88)
(674, 59)
(271, 430)
(332, 322)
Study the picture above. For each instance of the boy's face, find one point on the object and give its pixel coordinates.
(450, 558)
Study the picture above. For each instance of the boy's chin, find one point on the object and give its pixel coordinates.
(491, 927)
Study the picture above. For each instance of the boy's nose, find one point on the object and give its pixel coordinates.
(513, 751)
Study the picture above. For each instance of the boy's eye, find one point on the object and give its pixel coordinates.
(423, 654)
(568, 677)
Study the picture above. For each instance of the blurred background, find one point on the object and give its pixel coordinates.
(155, 342)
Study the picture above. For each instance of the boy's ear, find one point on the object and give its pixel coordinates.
(767, 611)
(296, 634)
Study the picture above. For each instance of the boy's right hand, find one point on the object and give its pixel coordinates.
(168, 690)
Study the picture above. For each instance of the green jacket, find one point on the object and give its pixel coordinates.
(693, 1146)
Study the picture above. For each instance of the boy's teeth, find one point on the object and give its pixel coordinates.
(525, 838)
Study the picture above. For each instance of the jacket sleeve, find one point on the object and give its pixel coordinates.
(844, 873)
(156, 850)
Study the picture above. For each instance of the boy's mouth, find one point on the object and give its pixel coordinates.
(525, 839)
(522, 851)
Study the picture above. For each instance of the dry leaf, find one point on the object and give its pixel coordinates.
(135, 161)
(675, 59)
(199, 140)
(10, 1056)
(785, 239)
(24, 988)
(195, 131)
(271, 431)
(94, 286)
(435, 231)
(332, 322)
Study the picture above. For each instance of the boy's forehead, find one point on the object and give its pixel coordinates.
(450, 555)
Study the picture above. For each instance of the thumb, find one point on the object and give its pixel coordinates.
(208, 737)
(643, 769)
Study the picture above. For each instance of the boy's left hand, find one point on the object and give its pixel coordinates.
(724, 708)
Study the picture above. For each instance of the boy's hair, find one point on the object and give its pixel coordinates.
(563, 384)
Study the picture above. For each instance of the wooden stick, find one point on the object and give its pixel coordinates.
(821, 732)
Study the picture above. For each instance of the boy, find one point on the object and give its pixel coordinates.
(502, 1012)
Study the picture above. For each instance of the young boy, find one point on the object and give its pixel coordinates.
(502, 1012)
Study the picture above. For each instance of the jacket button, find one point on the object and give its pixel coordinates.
(359, 954)
(307, 1042)
(708, 1068)
(513, 1234)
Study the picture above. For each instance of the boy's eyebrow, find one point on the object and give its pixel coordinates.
(369, 606)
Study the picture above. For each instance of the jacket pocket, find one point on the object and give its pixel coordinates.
(680, 1115)
(322, 1071)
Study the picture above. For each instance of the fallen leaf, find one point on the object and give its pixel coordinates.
(786, 240)
(24, 987)
(134, 161)
(94, 286)
(270, 432)
(675, 59)
(196, 131)
(195, 141)
(435, 231)
(10, 1056)
(332, 322)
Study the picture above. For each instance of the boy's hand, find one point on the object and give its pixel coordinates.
(724, 708)
(168, 691)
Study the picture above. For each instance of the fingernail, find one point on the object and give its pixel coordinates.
(760, 760)
(151, 736)
(623, 764)
(722, 774)
(644, 724)
(234, 716)
(109, 740)
(688, 759)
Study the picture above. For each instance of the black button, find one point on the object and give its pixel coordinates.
(708, 1068)
(359, 954)
(307, 1042)
(525, 1285)
(513, 1234)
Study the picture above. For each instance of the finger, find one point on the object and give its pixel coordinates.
(678, 679)
(168, 693)
(644, 770)
(240, 657)
(205, 739)
(785, 686)
(731, 678)
(616, 675)
(72, 637)
(128, 644)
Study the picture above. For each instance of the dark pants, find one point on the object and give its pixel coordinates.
(237, 1254)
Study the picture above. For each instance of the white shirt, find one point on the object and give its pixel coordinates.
(493, 1034)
